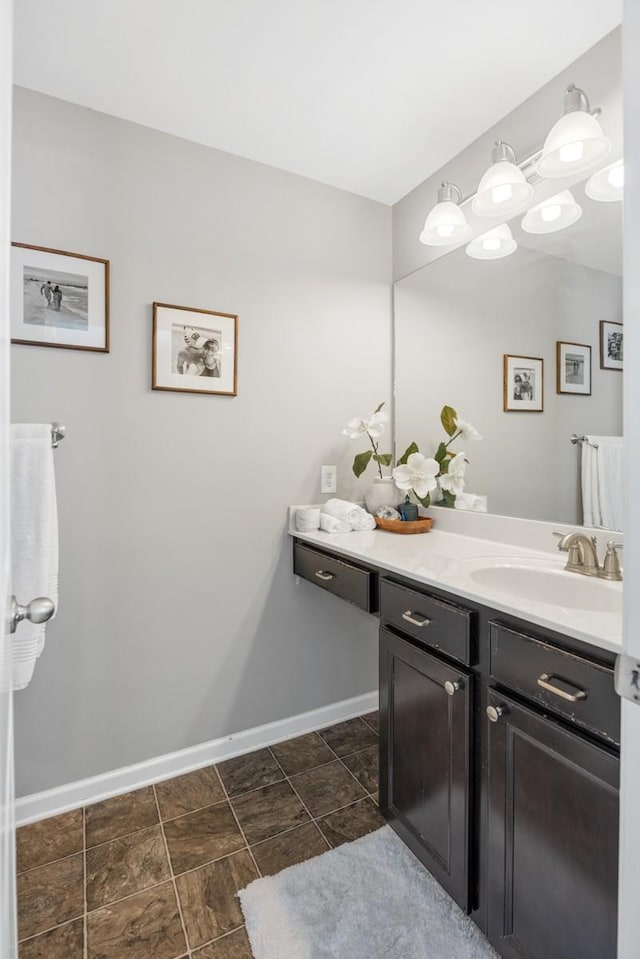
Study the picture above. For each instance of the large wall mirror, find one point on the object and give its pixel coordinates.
(554, 306)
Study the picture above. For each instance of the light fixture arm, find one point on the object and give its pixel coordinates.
(576, 99)
(449, 192)
(502, 152)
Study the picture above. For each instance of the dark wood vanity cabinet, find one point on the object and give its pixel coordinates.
(552, 838)
(499, 766)
(425, 722)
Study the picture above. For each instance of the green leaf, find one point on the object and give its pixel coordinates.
(449, 498)
(379, 408)
(361, 462)
(384, 458)
(441, 455)
(411, 448)
(448, 419)
(425, 501)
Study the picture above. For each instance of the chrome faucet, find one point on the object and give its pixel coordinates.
(583, 556)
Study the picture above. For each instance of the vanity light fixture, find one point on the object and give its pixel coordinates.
(503, 190)
(607, 185)
(493, 245)
(446, 223)
(575, 142)
(556, 213)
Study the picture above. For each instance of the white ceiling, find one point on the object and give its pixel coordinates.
(371, 96)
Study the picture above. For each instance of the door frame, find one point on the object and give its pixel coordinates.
(629, 926)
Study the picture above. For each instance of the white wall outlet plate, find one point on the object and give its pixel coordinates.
(328, 479)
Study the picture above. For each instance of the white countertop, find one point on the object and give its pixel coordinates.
(442, 559)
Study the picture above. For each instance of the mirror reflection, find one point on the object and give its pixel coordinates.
(520, 332)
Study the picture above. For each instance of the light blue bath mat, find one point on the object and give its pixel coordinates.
(368, 899)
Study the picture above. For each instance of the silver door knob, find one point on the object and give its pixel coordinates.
(452, 688)
(39, 610)
(495, 712)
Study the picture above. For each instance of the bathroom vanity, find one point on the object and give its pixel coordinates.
(499, 729)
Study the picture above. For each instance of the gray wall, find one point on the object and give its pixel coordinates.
(454, 320)
(598, 72)
(179, 617)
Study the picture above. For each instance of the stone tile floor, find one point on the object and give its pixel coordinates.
(153, 874)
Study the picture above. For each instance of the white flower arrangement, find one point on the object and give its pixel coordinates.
(422, 475)
(373, 427)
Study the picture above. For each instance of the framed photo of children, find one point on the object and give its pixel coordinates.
(611, 345)
(573, 368)
(59, 299)
(194, 351)
(523, 384)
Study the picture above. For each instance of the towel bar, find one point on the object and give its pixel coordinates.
(58, 433)
(582, 439)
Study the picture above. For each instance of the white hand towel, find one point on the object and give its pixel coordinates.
(307, 519)
(471, 501)
(331, 524)
(591, 515)
(342, 509)
(34, 537)
(610, 481)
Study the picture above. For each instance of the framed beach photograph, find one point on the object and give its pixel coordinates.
(194, 351)
(573, 368)
(59, 299)
(523, 384)
(611, 345)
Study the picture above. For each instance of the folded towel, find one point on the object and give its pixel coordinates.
(307, 519)
(602, 481)
(34, 537)
(472, 502)
(331, 524)
(363, 521)
(355, 515)
(342, 509)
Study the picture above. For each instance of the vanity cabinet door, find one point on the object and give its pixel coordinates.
(553, 838)
(425, 709)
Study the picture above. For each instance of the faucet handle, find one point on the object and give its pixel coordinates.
(611, 566)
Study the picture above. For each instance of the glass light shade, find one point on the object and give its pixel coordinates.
(493, 245)
(556, 213)
(502, 191)
(574, 144)
(445, 225)
(607, 185)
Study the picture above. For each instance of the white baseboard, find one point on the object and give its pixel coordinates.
(86, 791)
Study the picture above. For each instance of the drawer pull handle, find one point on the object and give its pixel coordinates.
(451, 688)
(325, 576)
(416, 619)
(495, 712)
(545, 682)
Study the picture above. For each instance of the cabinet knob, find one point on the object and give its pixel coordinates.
(495, 712)
(452, 688)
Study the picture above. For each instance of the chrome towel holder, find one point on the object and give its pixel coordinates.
(582, 439)
(58, 433)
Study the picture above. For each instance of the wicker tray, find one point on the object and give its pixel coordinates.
(422, 525)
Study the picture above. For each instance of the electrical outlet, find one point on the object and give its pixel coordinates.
(328, 479)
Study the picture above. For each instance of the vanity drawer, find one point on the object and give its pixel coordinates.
(350, 582)
(433, 622)
(564, 683)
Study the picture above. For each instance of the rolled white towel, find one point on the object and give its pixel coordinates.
(331, 524)
(307, 519)
(471, 501)
(342, 509)
(363, 521)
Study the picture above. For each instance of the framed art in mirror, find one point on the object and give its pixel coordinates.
(611, 345)
(59, 299)
(573, 368)
(194, 351)
(523, 384)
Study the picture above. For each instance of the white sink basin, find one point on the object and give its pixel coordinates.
(540, 582)
(551, 587)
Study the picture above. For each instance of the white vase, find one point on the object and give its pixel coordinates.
(382, 492)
